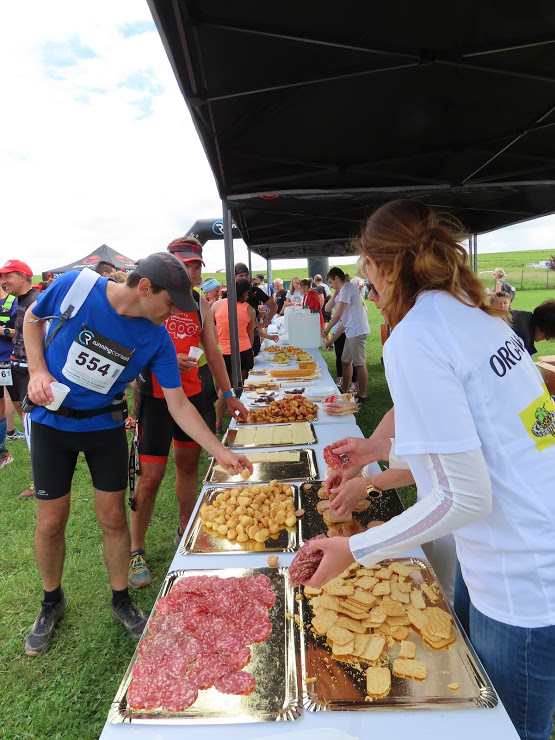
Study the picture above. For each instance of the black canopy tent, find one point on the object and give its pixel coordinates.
(104, 253)
(311, 114)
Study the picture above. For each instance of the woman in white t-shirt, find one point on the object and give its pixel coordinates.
(294, 294)
(453, 366)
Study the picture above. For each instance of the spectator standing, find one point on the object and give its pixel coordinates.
(211, 289)
(501, 284)
(116, 332)
(105, 269)
(535, 326)
(246, 322)
(280, 294)
(255, 298)
(8, 312)
(324, 292)
(157, 428)
(294, 294)
(350, 309)
(311, 299)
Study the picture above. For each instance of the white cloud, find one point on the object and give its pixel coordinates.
(97, 143)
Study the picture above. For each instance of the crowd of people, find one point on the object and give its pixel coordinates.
(457, 361)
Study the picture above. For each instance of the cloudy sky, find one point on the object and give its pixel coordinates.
(97, 143)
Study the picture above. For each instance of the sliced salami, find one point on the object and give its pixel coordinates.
(179, 696)
(305, 563)
(236, 682)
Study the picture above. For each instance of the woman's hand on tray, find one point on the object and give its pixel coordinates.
(348, 495)
(339, 477)
(234, 464)
(337, 557)
(362, 451)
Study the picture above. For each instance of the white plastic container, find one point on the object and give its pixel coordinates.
(304, 329)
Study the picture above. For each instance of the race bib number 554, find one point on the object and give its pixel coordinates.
(94, 361)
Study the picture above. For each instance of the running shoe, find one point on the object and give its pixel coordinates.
(132, 618)
(41, 634)
(339, 382)
(15, 435)
(139, 574)
(5, 458)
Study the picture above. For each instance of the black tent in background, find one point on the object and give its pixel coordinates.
(104, 253)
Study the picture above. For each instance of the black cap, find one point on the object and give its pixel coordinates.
(168, 272)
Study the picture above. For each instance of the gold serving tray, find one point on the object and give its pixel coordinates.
(264, 472)
(200, 540)
(231, 434)
(277, 696)
(340, 685)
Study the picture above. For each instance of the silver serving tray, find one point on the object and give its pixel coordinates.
(341, 685)
(277, 696)
(231, 435)
(264, 472)
(201, 540)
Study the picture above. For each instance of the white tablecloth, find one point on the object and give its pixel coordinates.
(418, 725)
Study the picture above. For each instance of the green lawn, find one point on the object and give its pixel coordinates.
(66, 693)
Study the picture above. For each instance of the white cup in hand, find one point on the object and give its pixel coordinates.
(196, 353)
(59, 391)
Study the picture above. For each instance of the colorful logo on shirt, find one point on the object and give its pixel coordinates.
(539, 420)
(182, 326)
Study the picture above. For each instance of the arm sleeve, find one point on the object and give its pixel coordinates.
(397, 462)
(461, 494)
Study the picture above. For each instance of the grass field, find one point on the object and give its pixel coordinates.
(66, 693)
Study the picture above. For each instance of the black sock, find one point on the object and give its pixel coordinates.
(53, 597)
(10, 431)
(119, 596)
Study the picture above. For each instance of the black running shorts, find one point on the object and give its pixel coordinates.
(54, 456)
(157, 428)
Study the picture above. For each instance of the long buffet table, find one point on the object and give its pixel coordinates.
(323, 725)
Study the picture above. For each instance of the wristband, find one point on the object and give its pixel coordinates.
(228, 394)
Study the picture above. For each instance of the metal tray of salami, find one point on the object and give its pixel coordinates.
(365, 649)
(270, 435)
(203, 628)
(380, 506)
(283, 465)
(209, 540)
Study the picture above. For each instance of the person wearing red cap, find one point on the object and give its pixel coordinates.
(16, 278)
(156, 428)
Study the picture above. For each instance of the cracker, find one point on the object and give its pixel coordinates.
(439, 624)
(346, 649)
(396, 621)
(417, 617)
(366, 582)
(399, 632)
(310, 591)
(340, 635)
(351, 624)
(365, 572)
(329, 602)
(417, 600)
(362, 597)
(402, 570)
(361, 642)
(339, 587)
(392, 608)
(438, 644)
(414, 669)
(374, 648)
(455, 686)
(398, 595)
(405, 588)
(323, 620)
(408, 649)
(383, 574)
(377, 614)
(378, 681)
(381, 588)
(433, 597)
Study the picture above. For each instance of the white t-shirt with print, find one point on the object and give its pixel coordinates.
(296, 296)
(461, 379)
(355, 315)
